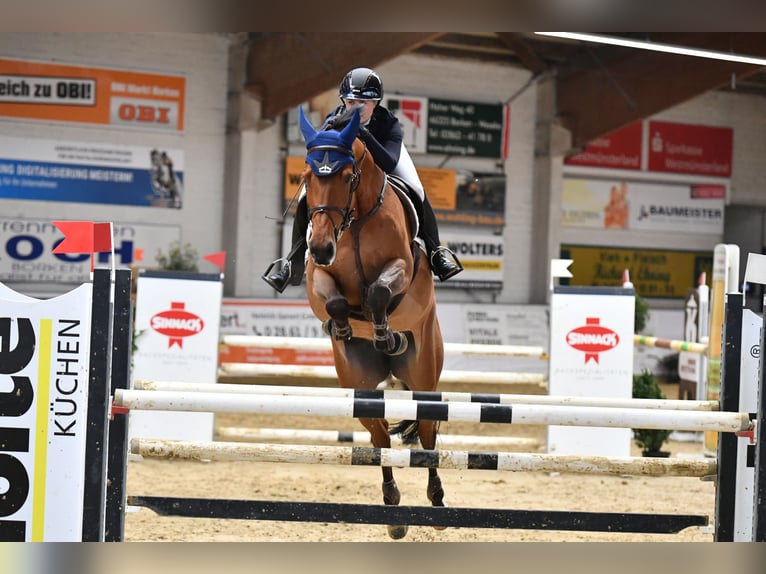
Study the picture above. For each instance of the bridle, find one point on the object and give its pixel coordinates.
(347, 212)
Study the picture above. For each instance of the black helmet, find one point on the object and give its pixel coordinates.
(361, 84)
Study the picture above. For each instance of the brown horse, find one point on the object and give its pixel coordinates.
(369, 282)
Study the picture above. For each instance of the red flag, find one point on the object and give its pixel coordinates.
(84, 237)
(102, 237)
(217, 259)
(78, 237)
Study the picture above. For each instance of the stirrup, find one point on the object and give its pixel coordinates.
(283, 266)
(451, 255)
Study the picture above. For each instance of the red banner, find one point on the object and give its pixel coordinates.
(683, 148)
(620, 149)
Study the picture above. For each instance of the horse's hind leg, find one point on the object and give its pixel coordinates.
(391, 496)
(427, 433)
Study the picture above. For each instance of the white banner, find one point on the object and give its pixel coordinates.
(642, 206)
(176, 339)
(44, 376)
(26, 247)
(591, 355)
(481, 255)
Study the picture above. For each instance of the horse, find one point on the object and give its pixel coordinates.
(369, 282)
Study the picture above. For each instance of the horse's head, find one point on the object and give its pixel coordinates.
(331, 176)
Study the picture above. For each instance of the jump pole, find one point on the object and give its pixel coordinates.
(328, 373)
(360, 437)
(323, 344)
(664, 404)
(418, 458)
(675, 345)
(430, 410)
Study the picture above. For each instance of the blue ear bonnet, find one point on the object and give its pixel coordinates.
(330, 150)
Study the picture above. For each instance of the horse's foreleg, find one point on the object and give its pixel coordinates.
(336, 305)
(390, 282)
(391, 496)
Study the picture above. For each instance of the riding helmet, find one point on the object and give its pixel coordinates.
(361, 84)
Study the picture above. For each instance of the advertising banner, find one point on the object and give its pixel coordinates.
(683, 148)
(176, 337)
(70, 93)
(654, 272)
(44, 377)
(26, 250)
(451, 127)
(413, 116)
(90, 172)
(620, 149)
(642, 206)
(482, 257)
(591, 355)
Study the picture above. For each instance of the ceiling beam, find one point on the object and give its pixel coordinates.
(285, 69)
(526, 55)
(600, 99)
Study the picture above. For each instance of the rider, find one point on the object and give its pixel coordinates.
(382, 133)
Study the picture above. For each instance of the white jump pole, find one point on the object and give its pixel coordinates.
(430, 410)
(361, 437)
(328, 373)
(318, 344)
(666, 404)
(403, 458)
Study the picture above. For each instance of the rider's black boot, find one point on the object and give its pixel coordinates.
(444, 262)
(289, 270)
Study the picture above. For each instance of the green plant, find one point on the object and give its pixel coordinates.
(641, 314)
(178, 258)
(645, 386)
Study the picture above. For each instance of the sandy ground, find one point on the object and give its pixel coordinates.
(463, 488)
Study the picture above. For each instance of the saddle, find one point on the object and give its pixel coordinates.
(411, 203)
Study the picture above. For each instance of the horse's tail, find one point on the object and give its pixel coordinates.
(408, 431)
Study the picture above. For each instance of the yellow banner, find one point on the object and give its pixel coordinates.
(440, 185)
(654, 273)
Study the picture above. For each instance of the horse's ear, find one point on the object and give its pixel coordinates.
(307, 129)
(348, 135)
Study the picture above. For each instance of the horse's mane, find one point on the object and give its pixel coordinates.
(338, 121)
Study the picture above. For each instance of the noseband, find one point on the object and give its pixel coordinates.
(347, 212)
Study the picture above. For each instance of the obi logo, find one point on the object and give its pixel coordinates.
(592, 339)
(177, 323)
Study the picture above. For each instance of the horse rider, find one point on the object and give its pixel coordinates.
(382, 134)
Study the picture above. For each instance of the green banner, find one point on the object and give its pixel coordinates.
(465, 128)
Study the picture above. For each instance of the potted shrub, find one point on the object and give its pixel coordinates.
(650, 441)
(641, 314)
(179, 257)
